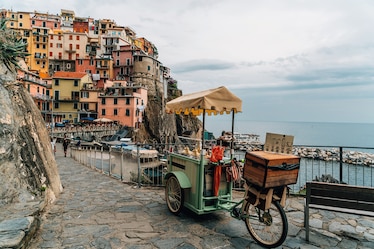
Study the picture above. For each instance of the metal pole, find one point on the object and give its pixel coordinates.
(341, 164)
(138, 157)
(52, 123)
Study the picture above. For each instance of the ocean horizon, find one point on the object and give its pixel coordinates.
(305, 133)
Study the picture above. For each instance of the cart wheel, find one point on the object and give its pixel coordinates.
(174, 195)
(268, 228)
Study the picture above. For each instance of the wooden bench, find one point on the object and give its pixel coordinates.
(339, 198)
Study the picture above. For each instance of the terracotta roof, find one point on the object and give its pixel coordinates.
(68, 75)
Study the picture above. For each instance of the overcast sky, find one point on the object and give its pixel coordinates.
(288, 60)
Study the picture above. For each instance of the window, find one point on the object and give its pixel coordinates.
(149, 68)
(50, 54)
(127, 112)
(128, 62)
(70, 37)
(85, 95)
(75, 106)
(20, 24)
(115, 112)
(115, 101)
(51, 45)
(103, 112)
(20, 16)
(59, 37)
(43, 24)
(77, 45)
(103, 101)
(56, 105)
(75, 81)
(80, 62)
(77, 37)
(51, 37)
(55, 25)
(57, 82)
(127, 101)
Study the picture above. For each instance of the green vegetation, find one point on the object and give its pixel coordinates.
(11, 47)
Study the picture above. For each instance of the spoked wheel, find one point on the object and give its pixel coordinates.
(174, 195)
(268, 228)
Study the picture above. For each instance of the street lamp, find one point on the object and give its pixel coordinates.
(52, 119)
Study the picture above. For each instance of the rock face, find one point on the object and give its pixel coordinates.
(28, 171)
(162, 127)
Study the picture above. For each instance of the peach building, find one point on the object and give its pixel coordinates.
(124, 103)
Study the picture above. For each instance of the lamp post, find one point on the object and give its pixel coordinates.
(52, 120)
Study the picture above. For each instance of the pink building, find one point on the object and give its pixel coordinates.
(124, 103)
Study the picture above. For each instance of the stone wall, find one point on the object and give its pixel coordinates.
(28, 170)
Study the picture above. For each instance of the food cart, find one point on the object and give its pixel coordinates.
(193, 180)
(203, 185)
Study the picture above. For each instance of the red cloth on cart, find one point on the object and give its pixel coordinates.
(216, 179)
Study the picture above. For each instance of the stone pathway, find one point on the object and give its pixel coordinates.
(96, 211)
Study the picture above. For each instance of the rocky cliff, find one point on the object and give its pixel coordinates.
(158, 126)
(28, 171)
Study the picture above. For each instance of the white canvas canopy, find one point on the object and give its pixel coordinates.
(213, 101)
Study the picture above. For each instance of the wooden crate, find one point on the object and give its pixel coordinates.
(268, 169)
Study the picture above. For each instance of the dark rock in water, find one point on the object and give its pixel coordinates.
(28, 171)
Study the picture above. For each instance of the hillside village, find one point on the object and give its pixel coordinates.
(80, 69)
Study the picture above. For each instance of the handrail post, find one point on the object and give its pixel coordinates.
(341, 164)
(138, 159)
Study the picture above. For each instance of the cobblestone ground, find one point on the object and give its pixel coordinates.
(96, 211)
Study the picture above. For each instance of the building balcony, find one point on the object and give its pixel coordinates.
(67, 99)
(123, 65)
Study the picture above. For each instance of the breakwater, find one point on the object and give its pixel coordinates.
(333, 154)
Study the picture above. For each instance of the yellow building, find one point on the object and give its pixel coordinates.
(66, 88)
(20, 22)
(39, 50)
(88, 102)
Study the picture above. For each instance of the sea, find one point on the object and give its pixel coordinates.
(357, 137)
(317, 134)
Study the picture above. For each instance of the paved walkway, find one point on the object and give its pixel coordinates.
(96, 211)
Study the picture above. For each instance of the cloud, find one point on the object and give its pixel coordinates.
(202, 65)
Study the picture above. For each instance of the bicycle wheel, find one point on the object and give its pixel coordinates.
(174, 195)
(268, 228)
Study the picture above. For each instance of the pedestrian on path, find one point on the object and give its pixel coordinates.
(65, 144)
(53, 144)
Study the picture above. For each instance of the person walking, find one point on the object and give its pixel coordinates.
(65, 144)
(53, 144)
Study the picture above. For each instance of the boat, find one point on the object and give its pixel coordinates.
(242, 141)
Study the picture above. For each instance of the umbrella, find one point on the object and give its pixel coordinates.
(103, 120)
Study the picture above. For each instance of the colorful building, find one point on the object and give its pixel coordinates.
(123, 102)
(66, 94)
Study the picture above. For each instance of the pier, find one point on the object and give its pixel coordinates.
(87, 133)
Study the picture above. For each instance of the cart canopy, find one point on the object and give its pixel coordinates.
(214, 101)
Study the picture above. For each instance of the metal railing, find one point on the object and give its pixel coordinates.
(351, 165)
(132, 165)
